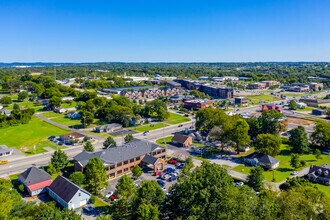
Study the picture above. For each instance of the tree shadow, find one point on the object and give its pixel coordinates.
(281, 169)
(285, 152)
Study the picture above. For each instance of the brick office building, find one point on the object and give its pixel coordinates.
(120, 160)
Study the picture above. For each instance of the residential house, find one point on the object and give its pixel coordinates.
(319, 174)
(60, 110)
(301, 105)
(266, 161)
(5, 151)
(1, 107)
(122, 159)
(73, 115)
(108, 128)
(182, 140)
(5, 112)
(35, 180)
(68, 194)
(71, 137)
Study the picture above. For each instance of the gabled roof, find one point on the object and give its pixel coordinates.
(5, 149)
(65, 189)
(33, 175)
(320, 171)
(262, 158)
(266, 159)
(149, 159)
(180, 138)
(134, 148)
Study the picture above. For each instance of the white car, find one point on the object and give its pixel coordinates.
(110, 193)
(294, 173)
(239, 184)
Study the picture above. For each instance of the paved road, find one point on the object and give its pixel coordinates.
(20, 163)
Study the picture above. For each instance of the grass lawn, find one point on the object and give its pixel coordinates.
(306, 109)
(60, 118)
(24, 137)
(285, 169)
(148, 127)
(324, 189)
(264, 98)
(176, 119)
(168, 140)
(68, 105)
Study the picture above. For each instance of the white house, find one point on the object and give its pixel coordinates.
(68, 194)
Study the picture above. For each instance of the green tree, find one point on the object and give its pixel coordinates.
(147, 211)
(293, 105)
(102, 217)
(239, 134)
(295, 161)
(268, 144)
(126, 193)
(298, 140)
(327, 113)
(109, 142)
(137, 171)
(87, 118)
(208, 118)
(189, 164)
(59, 160)
(318, 154)
(51, 169)
(22, 95)
(6, 100)
(271, 122)
(156, 109)
(78, 178)
(321, 135)
(88, 146)
(128, 138)
(96, 177)
(55, 102)
(255, 178)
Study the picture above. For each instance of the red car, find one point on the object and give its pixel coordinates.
(157, 173)
(172, 161)
(113, 197)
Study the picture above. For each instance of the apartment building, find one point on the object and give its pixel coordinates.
(197, 103)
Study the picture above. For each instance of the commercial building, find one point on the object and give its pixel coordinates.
(241, 101)
(182, 140)
(197, 103)
(268, 107)
(217, 92)
(257, 85)
(5, 151)
(122, 159)
(173, 84)
(270, 83)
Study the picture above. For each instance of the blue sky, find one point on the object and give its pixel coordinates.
(164, 30)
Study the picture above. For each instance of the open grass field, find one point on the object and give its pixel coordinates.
(176, 119)
(324, 189)
(285, 169)
(148, 127)
(60, 118)
(69, 105)
(24, 137)
(307, 109)
(168, 140)
(255, 99)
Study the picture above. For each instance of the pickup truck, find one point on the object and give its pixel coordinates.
(3, 162)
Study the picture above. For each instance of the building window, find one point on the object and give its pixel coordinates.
(131, 160)
(125, 162)
(79, 194)
(126, 170)
(112, 175)
(131, 167)
(119, 164)
(138, 158)
(119, 172)
(112, 167)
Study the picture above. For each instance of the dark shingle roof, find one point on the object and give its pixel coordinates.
(134, 148)
(64, 188)
(320, 171)
(33, 175)
(149, 159)
(266, 159)
(180, 138)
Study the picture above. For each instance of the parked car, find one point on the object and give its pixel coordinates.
(110, 193)
(172, 178)
(113, 197)
(186, 115)
(169, 170)
(181, 166)
(146, 133)
(180, 126)
(165, 176)
(239, 184)
(172, 161)
(88, 209)
(157, 173)
(294, 173)
(161, 183)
